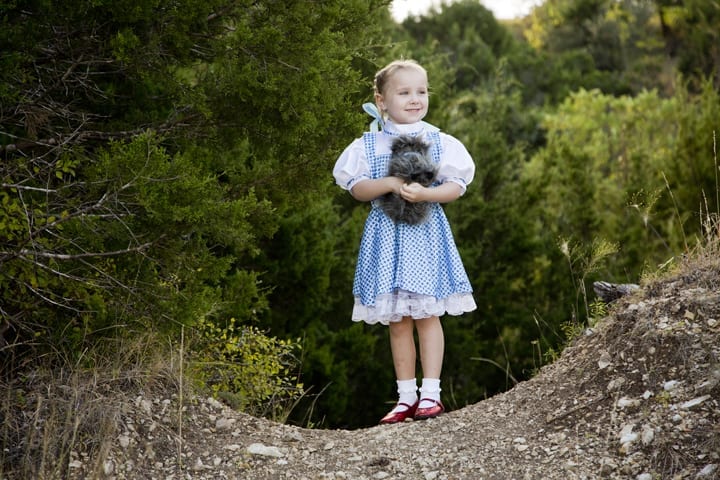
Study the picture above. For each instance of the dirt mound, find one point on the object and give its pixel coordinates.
(636, 397)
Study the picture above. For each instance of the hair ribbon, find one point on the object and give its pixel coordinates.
(372, 110)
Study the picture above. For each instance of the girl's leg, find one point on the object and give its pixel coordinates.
(432, 346)
(402, 345)
(432, 349)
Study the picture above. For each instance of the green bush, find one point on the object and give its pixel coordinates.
(251, 371)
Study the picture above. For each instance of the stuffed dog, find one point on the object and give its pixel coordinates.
(410, 161)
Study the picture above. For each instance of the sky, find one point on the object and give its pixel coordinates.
(502, 9)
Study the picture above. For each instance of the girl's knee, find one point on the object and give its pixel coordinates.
(403, 326)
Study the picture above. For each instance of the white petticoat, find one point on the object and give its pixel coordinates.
(392, 307)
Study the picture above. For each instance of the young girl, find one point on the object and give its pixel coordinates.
(408, 275)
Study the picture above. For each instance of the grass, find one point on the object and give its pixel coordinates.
(60, 408)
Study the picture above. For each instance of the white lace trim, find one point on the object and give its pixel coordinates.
(392, 307)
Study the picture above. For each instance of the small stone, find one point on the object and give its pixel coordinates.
(648, 434)
(628, 438)
(124, 441)
(627, 402)
(644, 476)
(224, 423)
(626, 434)
(605, 360)
(670, 385)
(615, 384)
(707, 471)
(607, 465)
(293, 436)
(263, 450)
(694, 402)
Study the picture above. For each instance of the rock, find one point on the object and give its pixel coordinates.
(627, 402)
(224, 423)
(605, 360)
(647, 436)
(670, 385)
(609, 292)
(708, 471)
(694, 402)
(265, 451)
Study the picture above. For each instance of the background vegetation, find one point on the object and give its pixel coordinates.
(165, 181)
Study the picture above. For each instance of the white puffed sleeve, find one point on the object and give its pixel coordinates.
(456, 164)
(351, 166)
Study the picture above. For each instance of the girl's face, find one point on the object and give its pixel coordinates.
(405, 96)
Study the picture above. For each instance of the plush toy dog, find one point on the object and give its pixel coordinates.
(410, 161)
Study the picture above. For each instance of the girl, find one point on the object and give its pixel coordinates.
(407, 276)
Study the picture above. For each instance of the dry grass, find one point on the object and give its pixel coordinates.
(52, 413)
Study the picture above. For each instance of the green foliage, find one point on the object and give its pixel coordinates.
(617, 46)
(256, 373)
(149, 160)
(583, 261)
(468, 34)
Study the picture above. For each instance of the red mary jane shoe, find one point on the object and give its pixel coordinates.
(429, 412)
(397, 417)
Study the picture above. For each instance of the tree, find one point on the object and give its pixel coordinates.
(150, 148)
(620, 40)
(468, 35)
(690, 34)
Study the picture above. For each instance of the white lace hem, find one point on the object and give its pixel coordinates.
(392, 307)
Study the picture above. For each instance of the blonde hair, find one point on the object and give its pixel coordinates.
(383, 75)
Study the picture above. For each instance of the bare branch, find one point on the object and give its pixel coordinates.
(25, 187)
(75, 256)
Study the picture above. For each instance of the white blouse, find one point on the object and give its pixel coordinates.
(456, 164)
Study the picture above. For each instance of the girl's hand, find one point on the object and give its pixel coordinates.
(370, 189)
(413, 192)
(396, 184)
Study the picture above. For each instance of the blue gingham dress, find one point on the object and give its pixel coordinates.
(407, 270)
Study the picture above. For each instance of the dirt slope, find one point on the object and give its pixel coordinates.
(635, 398)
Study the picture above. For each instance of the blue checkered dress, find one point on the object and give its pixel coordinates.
(415, 261)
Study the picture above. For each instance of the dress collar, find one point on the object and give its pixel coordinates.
(412, 129)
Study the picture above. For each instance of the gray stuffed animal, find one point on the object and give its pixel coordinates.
(410, 161)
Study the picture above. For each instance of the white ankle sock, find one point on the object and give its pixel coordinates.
(430, 390)
(407, 391)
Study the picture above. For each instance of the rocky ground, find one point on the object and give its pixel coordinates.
(636, 397)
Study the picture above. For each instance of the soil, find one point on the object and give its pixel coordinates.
(634, 397)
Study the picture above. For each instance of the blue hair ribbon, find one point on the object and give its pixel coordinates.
(372, 110)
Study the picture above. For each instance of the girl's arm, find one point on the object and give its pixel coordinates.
(444, 193)
(370, 189)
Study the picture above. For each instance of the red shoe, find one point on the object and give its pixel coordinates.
(397, 417)
(429, 412)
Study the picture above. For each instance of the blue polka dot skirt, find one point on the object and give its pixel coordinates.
(408, 270)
